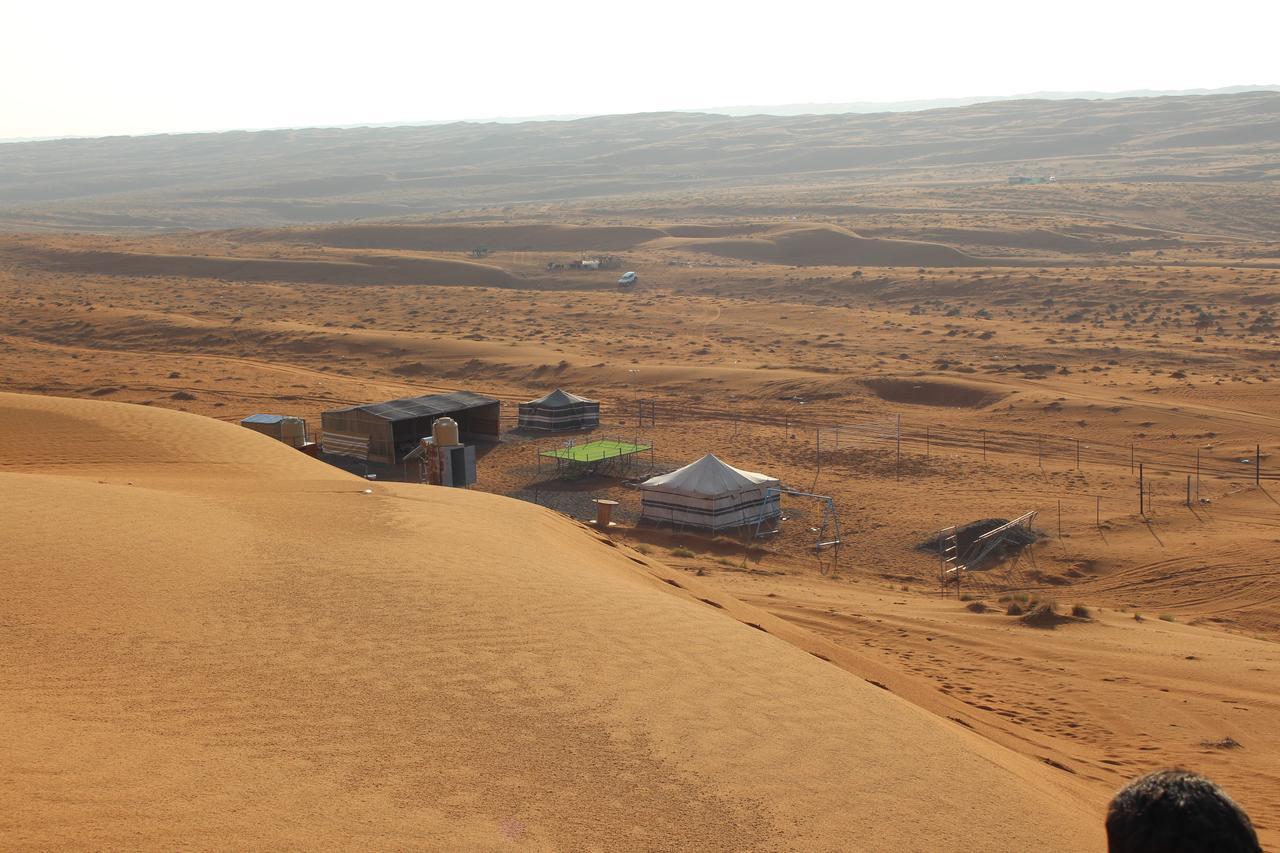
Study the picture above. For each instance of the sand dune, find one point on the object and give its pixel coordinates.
(208, 635)
(827, 245)
(464, 238)
(358, 270)
(276, 178)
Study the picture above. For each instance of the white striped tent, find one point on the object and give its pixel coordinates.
(560, 411)
(710, 494)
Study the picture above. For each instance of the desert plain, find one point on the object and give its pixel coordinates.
(210, 636)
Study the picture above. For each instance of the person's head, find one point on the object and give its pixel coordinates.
(1175, 811)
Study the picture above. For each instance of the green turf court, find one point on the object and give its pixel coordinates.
(597, 451)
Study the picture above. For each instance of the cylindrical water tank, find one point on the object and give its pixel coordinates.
(445, 432)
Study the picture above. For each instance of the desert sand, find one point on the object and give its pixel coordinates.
(239, 644)
(210, 633)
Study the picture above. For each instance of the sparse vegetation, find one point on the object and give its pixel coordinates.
(1081, 612)
(1044, 615)
(681, 551)
(1223, 743)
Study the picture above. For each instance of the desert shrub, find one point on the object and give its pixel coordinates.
(977, 607)
(681, 551)
(1167, 617)
(966, 597)
(1044, 615)
(1014, 609)
(643, 548)
(1081, 612)
(1224, 743)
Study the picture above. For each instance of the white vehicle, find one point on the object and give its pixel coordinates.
(628, 279)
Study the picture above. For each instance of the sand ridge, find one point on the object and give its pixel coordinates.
(307, 645)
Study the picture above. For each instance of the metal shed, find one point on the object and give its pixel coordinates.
(385, 432)
(292, 431)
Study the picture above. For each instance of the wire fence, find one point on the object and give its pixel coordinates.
(1044, 450)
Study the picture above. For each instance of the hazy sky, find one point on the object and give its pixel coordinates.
(136, 66)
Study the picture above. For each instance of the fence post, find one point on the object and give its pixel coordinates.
(899, 438)
(1142, 488)
(817, 434)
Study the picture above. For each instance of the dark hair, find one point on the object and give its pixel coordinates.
(1176, 811)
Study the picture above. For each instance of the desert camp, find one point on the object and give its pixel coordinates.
(640, 458)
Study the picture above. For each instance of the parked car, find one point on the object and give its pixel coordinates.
(628, 279)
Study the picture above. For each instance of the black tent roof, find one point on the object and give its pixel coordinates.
(421, 407)
(558, 399)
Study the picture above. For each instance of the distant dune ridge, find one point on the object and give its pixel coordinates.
(290, 177)
(210, 636)
(829, 246)
(459, 238)
(357, 270)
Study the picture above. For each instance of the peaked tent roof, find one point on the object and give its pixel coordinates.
(708, 476)
(558, 399)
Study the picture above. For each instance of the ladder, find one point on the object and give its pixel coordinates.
(948, 556)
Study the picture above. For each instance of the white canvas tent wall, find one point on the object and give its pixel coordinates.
(710, 494)
(560, 410)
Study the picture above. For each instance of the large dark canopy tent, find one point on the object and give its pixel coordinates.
(385, 432)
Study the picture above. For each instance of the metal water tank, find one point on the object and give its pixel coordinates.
(445, 432)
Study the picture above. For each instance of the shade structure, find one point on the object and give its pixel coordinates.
(710, 494)
(559, 411)
(384, 432)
